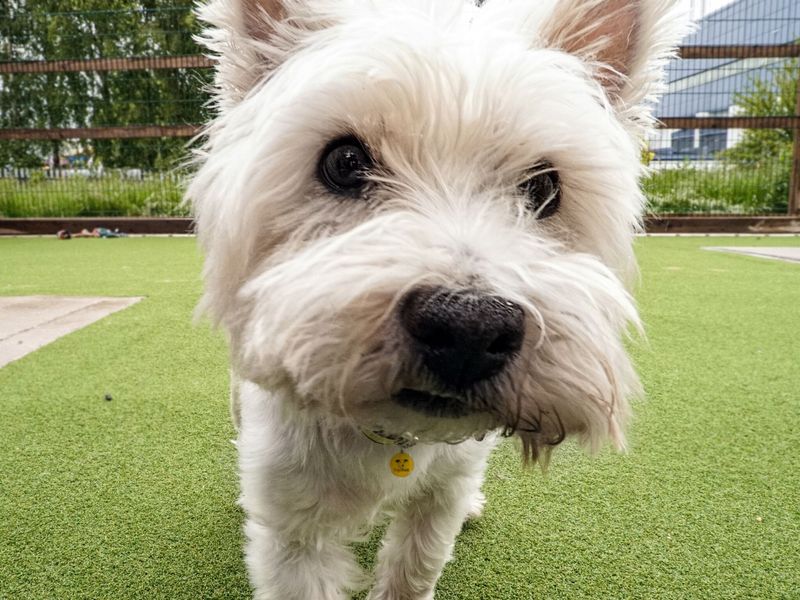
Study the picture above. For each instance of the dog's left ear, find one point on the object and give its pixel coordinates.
(627, 42)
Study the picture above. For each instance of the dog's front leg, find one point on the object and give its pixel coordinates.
(298, 517)
(420, 539)
(281, 568)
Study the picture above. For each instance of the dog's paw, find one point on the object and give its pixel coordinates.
(476, 506)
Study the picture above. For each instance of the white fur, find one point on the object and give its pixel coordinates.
(456, 103)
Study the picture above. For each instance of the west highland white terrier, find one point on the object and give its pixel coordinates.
(418, 219)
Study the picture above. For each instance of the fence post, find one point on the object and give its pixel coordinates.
(794, 183)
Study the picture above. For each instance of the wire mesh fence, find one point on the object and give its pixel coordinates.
(80, 93)
(97, 107)
(730, 169)
(91, 191)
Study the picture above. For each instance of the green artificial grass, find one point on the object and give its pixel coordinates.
(135, 497)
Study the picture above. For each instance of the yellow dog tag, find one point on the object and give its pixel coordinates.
(401, 464)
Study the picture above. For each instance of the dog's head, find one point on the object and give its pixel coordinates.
(418, 215)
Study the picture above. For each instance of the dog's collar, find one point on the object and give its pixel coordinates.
(380, 437)
(401, 464)
(407, 440)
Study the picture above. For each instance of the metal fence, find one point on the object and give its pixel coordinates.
(729, 142)
(97, 107)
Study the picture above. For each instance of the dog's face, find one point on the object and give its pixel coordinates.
(418, 215)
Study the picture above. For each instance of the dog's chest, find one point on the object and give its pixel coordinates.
(327, 474)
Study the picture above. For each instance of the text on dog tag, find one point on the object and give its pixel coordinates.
(401, 464)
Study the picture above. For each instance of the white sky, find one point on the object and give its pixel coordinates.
(700, 8)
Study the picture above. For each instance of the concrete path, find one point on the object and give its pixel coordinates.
(789, 253)
(29, 322)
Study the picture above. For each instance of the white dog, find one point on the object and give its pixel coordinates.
(417, 219)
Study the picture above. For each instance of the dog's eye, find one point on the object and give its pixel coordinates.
(344, 165)
(543, 191)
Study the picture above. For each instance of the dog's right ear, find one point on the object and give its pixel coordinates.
(626, 42)
(248, 38)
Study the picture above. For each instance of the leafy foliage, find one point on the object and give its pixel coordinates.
(754, 178)
(733, 189)
(764, 99)
(114, 194)
(88, 29)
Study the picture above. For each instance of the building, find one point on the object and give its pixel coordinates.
(708, 87)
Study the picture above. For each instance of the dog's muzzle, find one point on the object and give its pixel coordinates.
(461, 337)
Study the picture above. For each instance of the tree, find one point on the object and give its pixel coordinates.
(173, 96)
(86, 29)
(30, 32)
(777, 97)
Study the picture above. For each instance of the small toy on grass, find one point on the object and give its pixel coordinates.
(97, 232)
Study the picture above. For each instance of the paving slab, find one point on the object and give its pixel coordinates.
(789, 253)
(29, 322)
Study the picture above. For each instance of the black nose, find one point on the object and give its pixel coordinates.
(463, 337)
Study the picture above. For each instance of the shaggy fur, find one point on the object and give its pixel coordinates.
(457, 104)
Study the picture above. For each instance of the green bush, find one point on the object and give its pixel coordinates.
(84, 197)
(730, 189)
(753, 176)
